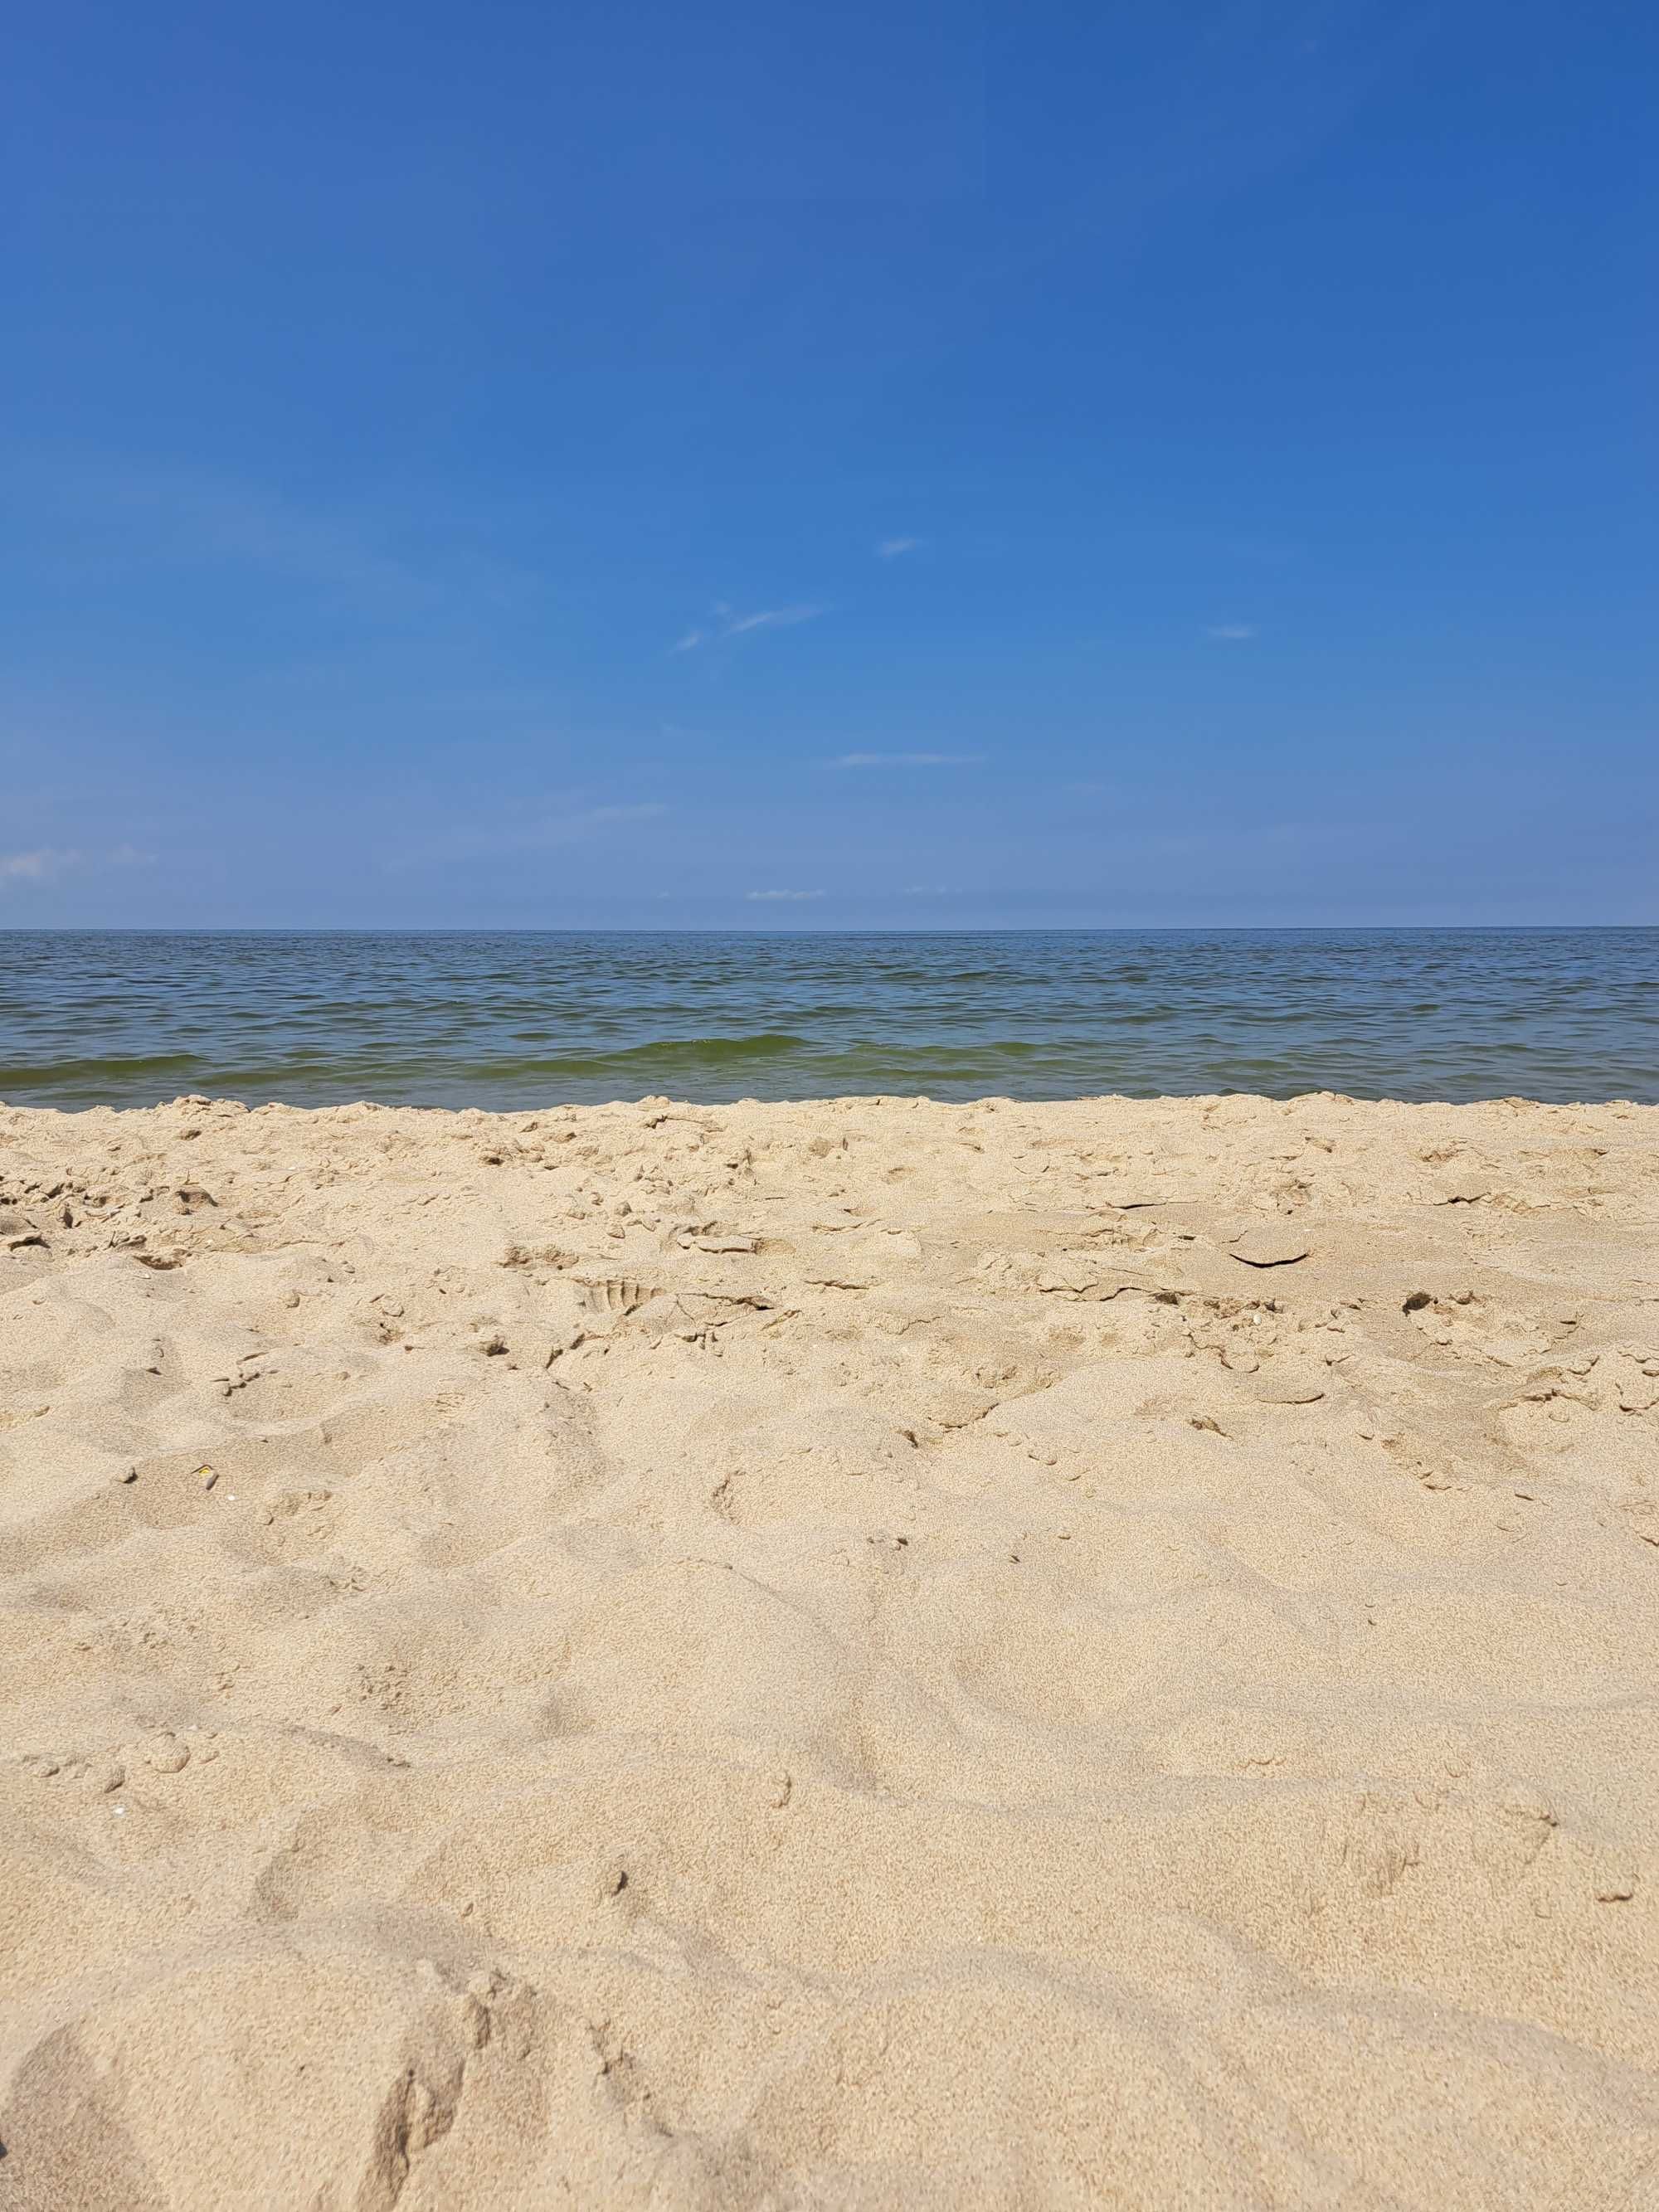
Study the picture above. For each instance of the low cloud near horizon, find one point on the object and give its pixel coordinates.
(38, 866)
(45, 863)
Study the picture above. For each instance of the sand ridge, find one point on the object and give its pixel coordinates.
(859, 1653)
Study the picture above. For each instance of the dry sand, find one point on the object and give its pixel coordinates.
(865, 1654)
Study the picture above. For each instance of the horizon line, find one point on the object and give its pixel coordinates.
(862, 929)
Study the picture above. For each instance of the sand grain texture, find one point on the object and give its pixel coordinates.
(867, 1653)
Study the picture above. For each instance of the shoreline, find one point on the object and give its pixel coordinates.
(856, 1651)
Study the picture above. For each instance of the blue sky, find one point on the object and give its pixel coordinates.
(903, 465)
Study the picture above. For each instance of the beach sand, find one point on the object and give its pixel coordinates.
(864, 1654)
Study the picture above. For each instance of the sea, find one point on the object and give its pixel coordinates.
(530, 1018)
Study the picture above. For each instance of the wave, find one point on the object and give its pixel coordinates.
(118, 1068)
(672, 1052)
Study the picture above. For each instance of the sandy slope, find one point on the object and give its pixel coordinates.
(841, 1655)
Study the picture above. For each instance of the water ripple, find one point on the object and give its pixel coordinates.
(526, 1019)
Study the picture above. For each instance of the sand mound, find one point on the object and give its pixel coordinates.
(840, 1656)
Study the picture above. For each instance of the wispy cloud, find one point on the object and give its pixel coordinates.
(566, 829)
(133, 856)
(191, 516)
(725, 624)
(38, 866)
(907, 760)
(891, 548)
(1231, 633)
(770, 896)
(533, 826)
(771, 618)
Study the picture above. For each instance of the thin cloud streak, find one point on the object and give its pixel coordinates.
(1231, 633)
(771, 618)
(891, 548)
(548, 833)
(199, 517)
(728, 624)
(768, 896)
(907, 760)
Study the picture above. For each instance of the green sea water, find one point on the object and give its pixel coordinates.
(529, 1018)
